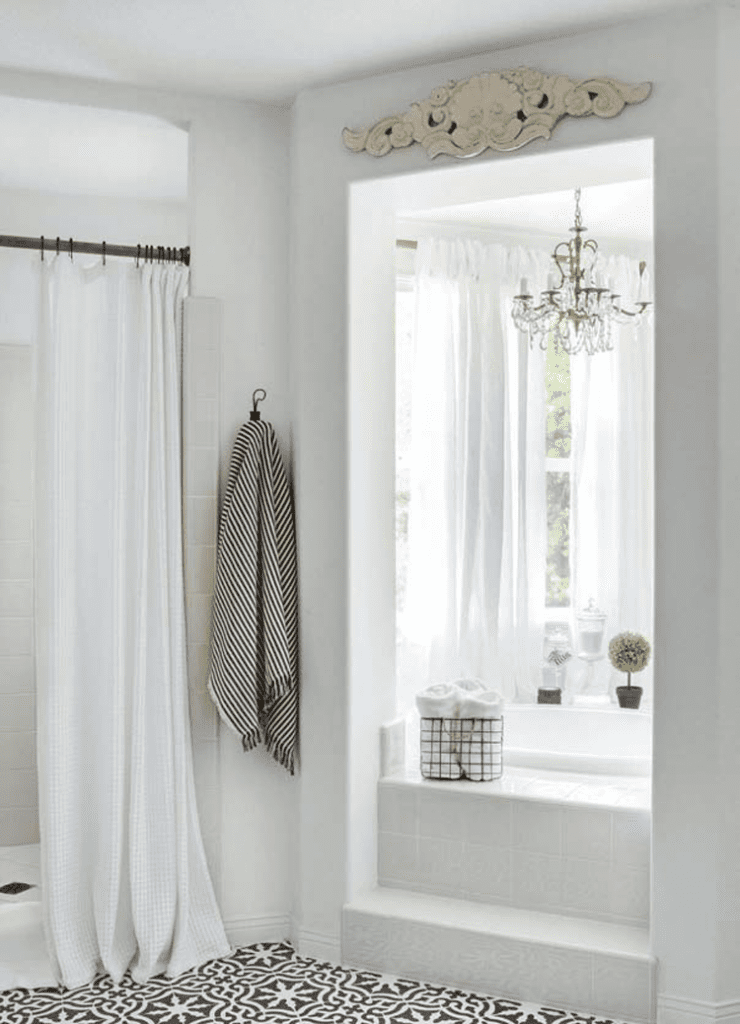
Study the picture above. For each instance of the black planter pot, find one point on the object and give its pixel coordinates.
(548, 696)
(629, 696)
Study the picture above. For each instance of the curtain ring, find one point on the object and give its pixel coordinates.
(138, 254)
(71, 250)
(103, 253)
(57, 245)
(42, 248)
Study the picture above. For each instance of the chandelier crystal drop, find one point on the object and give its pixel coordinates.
(578, 308)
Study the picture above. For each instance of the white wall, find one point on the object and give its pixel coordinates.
(344, 444)
(237, 221)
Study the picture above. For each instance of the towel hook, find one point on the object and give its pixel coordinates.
(254, 415)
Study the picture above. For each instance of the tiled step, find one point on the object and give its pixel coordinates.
(571, 963)
(501, 846)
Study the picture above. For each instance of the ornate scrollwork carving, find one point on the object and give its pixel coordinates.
(500, 110)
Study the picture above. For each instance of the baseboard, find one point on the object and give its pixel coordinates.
(318, 946)
(677, 1010)
(244, 931)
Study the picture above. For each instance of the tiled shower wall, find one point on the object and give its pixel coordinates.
(18, 786)
(201, 388)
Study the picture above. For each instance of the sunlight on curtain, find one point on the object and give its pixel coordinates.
(125, 881)
(476, 520)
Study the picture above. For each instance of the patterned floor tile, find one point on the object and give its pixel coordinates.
(270, 984)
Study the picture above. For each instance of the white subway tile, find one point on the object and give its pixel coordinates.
(18, 825)
(198, 617)
(200, 568)
(16, 598)
(488, 821)
(586, 885)
(17, 712)
(205, 763)
(18, 787)
(397, 809)
(203, 715)
(203, 421)
(537, 827)
(198, 664)
(201, 471)
(17, 674)
(16, 560)
(18, 750)
(200, 520)
(441, 813)
(536, 880)
(486, 871)
(16, 636)
(16, 522)
(397, 858)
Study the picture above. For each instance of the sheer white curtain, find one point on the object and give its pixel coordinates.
(612, 514)
(477, 517)
(125, 881)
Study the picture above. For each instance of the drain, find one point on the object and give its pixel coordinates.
(13, 888)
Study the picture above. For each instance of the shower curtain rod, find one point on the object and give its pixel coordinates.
(151, 253)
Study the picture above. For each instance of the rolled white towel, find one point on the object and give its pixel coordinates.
(481, 741)
(483, 704)
(438, 701)
(440, 752)
(470, 685)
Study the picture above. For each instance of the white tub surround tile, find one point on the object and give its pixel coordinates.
(587, 833)
(523, 954)
(439, 865)
(536, 880)
(631, 838)
(586, 886)
(488, 821)
(397, 808)
(629, 892)
(537, 827)
(574, 859)
(441, 814)
(398, 858)
(486, 872)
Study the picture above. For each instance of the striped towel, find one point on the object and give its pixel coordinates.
(254, 651)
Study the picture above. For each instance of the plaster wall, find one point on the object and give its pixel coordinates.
(342, 388)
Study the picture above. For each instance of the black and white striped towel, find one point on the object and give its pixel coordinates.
(254, 649)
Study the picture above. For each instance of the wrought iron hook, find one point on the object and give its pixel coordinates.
(254, 414)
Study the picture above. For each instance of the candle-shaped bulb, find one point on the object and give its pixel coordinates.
(552, 280)
(524, 287)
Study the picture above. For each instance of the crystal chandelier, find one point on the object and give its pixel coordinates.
(578, 309)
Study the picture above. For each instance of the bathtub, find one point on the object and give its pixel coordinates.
(597, 741)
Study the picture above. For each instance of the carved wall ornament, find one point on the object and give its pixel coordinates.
(502, 110)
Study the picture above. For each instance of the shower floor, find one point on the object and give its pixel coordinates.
(271, 983)
(23, 959)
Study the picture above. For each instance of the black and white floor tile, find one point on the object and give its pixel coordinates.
(270, 984)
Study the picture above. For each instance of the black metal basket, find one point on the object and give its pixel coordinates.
(462, 748)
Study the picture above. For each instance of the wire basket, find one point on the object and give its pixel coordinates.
(462, 748)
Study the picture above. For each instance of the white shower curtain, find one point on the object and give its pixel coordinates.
(124, 876)
(477, 514)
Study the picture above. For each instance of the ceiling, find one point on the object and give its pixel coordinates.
(71, 150)
(268, 50)
(619, 210)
